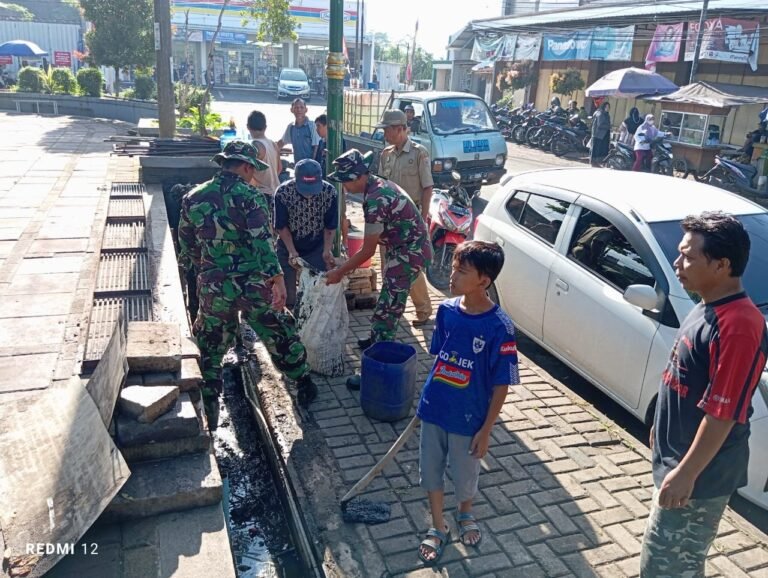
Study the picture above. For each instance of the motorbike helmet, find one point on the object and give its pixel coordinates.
(554, 102)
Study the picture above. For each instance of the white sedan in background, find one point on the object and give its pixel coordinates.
(588, 276)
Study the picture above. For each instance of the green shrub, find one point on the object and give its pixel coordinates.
(128, 93)
(31, 79)
(90, 80)
(567, 82)
(189, 96)
(63, 81)
(144, 87)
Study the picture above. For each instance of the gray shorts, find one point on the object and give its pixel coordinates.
(676, 541)
(438, 447)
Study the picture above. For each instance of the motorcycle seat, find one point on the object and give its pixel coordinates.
(621, 145)
(748, 170)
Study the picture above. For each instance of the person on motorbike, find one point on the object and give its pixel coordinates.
(644, 136)
(629, 127)
(554, 106)
(573, 108)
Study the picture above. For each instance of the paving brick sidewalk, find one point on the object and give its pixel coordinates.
(563, 491)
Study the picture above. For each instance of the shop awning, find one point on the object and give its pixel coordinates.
(716, 94)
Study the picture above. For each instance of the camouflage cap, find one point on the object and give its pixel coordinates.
(351, 165)
(241, 151)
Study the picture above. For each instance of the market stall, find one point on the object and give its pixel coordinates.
(696, 115)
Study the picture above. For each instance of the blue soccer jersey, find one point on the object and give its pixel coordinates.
(475, 353)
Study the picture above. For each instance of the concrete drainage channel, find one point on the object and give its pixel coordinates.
(265, 525)
(262, 530)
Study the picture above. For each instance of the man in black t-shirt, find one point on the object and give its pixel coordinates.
(306, 220)
(700, 436)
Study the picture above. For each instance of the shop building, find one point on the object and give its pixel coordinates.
(242, 61)
(597, 39)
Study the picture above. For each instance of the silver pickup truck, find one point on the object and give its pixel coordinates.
(459, 132)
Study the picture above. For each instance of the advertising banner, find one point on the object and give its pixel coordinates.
(492, 49)
(726, 40)
(528, 47)
(612, 43)
(665, 46)
(226, 37)
(5, 59)
(62, 59)
(573, 46)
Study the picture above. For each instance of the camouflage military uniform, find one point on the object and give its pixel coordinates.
(225, 232)
(391, 213)
(676, 541)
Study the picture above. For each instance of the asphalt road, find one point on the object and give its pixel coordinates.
(237, 104)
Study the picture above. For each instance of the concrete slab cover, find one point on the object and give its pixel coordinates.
(153, 346)
(109, 375)
(146, 404)
(58, 471)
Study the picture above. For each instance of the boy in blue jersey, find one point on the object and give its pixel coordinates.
(474, 341)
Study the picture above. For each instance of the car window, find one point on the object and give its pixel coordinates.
(543, 216)
(600, 247)
(515, 205)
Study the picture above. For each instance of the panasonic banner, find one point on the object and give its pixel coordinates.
(601, 43)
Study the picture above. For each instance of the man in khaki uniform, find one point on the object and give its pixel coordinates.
(407, 164)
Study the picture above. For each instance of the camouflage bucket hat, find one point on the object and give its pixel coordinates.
(350, 166)
(241, 151)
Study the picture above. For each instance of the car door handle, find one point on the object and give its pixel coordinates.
(560, 284)
(500, 241)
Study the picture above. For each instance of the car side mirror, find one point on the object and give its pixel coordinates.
(642, 296)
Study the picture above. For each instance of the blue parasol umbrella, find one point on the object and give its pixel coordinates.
(630, 82)
(21, 48)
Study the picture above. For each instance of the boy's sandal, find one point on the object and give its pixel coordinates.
(465, 529)
(438, 548)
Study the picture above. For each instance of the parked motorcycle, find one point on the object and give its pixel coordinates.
(662, 159)
(570, 138)
(620, 157)
(733, 176)
(450, 219)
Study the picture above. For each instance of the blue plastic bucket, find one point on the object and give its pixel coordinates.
(387, 380)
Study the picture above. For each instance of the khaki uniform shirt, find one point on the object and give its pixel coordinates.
(409, 167)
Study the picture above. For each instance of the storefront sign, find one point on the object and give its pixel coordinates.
(573, 46)
(727, 40)
(665, 46)
(612, 43)
(62, 59)
(226, 37)
(312, 16)
(5, 59)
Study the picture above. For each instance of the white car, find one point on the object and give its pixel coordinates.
(588, 275)
(293, 83)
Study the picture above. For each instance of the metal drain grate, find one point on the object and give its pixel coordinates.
(127, 190)
(123, 273)
(126, 210)
(124, 237)
(104, 315)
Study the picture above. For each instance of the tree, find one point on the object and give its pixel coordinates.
(566, 83)
(275, 20)
(521, 74)
(120, 37)
(391, 52)
(14, 12)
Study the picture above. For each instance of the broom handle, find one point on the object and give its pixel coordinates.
(374, 471)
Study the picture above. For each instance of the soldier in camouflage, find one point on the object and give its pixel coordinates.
(392, 220)
(225, 233)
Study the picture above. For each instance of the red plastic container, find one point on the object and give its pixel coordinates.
(355, 243)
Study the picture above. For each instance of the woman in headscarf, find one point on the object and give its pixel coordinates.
(644, 134)
(601, 134)
(629, 126)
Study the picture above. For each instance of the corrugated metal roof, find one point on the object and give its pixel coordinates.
(615, 13)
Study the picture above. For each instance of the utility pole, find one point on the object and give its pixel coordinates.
(699, 38)
(334, 70)
(166, 107)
